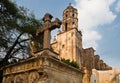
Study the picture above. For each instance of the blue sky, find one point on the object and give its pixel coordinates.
(99, 21)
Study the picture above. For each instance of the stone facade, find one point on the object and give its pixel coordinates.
(69, 41)
(68, 45)
(44, 68)
(106, 76)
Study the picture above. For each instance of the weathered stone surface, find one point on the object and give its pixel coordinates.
(88, 62)
(100, 65)
(97, 65)
(41, 69)
(69, 42)
(70, 19)
(86, 76)
(106, 76)
(35, 45)
(47, 27)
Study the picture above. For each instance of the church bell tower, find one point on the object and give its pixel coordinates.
(69, 41)
(70, 19)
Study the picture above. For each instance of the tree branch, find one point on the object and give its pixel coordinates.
(11, 49)
(24, 40)
(15, 51)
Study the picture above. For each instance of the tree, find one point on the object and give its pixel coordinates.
(15, 25)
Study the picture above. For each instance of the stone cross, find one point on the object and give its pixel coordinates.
(46, 29)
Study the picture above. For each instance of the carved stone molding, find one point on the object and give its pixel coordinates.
(20, 79)
(33, 77)
(8, 80)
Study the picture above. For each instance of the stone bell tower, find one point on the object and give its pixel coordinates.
(70, 19)
(69, 41)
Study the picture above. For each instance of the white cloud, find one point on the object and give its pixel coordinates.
(118, 6)
(93, 13)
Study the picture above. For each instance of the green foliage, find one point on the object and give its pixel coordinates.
(72, 63)
(30, 25)
(9, 14)
(15, 25)
(15, 19)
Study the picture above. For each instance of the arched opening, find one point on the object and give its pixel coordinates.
(66, 25)
(73, 15)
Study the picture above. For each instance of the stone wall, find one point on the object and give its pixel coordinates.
(87, 63)
(62, 73)
(105, 76)
(43, 68)
(100, 64)
(68, 45)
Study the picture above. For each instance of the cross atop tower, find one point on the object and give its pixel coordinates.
(69, 4)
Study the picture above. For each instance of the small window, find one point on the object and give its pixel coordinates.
(66, 25)
(12, 81)
(73, 22)
(63, 46)
(66, 15)
(73, 15)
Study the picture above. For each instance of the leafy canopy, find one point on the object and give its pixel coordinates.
(16, 24)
